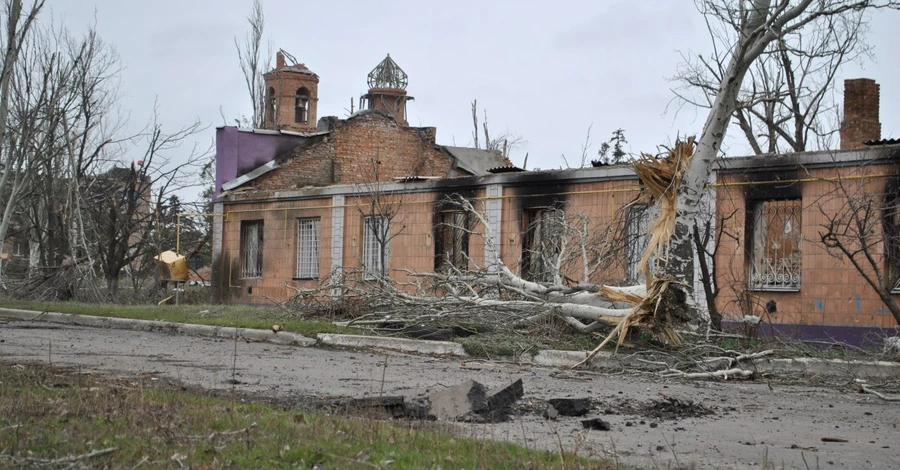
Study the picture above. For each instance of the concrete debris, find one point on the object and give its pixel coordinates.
(500, 400)
(551, 413)
(394, 405)
(471, 401)
(459, 403)
(596, 424)
(570, 406)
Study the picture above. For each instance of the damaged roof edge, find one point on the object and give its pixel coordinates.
(250, 176)
(276, 131)
(444, 184)
(819, 159)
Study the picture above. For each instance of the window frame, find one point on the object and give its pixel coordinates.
(307, 256)
(245, 240)
(372, 247)
(637, 223)
(271, 104)
(783, 275)
(455, 254)
(535, 221)
(301, 106)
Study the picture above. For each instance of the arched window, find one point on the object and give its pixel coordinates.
(270, 106)
(301, 105)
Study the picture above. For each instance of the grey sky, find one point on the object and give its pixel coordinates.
(545, 71)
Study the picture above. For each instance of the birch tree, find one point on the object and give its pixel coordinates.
(13, 178)
(759, 23)
(787, 101)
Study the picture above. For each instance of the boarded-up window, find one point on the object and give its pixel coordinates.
(543, 232)
(451, 247)
(376, 237)
(776, 245)
(251, 248)
(308, 248)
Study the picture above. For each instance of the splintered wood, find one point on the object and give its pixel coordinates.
(660, 178)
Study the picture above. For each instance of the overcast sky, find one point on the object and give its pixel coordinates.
(543, 70)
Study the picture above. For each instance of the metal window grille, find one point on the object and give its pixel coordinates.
(308, 248)
(452, 245)
(542, 243)
(891, 229)
(251, 248)
(776, 249)
(375, 246)
(637, 223)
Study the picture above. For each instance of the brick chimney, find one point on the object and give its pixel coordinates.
(860, 123)
(279, 60)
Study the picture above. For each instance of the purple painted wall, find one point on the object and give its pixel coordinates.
(862, 336)
(238, 152)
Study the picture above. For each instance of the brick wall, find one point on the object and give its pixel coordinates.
(303, 167)
(371, 142)
(279, 250)
(861, 108)
(285, 84)
(832, 292)
(355, 150)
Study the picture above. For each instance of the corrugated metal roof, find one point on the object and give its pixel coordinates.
(882, 142)
(475, 161)
(505, 169)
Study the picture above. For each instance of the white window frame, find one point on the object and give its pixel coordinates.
(376, 235)
(252, 249)
(308, 248)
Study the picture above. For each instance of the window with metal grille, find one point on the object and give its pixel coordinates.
(890, 226)
(308, 248)
(544, 229)
(376, 238)
(451, 247)
(251, 248)
(775, 251)
(637, 222)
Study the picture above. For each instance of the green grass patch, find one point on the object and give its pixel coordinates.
(216, 315)
(49, 414)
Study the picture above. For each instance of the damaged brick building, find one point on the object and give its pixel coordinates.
(299, 207)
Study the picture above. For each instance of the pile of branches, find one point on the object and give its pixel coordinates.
(496, 297)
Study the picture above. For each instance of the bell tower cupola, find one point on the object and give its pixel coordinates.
(291, 95)
(387, 90)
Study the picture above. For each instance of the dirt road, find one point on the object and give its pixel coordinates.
(751, 425)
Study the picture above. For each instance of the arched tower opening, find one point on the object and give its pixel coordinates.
(292, 95)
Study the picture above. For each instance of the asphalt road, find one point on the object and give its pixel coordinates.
(752, 424)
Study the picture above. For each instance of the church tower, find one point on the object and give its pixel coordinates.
(387, 90)
(292, 95)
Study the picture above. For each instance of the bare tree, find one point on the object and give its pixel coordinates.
(501, 144)
(864, 230)
(252, 63)
(13, 174)
(759, 23)
(787, 102)
(121, 203)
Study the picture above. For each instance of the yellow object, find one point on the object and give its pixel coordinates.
(172, 266)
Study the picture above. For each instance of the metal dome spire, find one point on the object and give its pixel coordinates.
(388, 74)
